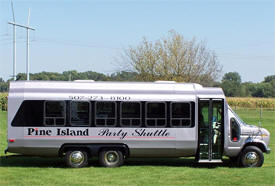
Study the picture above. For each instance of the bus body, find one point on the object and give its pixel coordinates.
(129, 119)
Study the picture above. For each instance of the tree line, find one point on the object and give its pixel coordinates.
(71, 76)
(231, 82)
(234, 87)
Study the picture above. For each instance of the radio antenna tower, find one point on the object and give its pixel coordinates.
(27, 27)
(14, 44)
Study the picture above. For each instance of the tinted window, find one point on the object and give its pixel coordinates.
(130, 110)
(80, 113)
(54, 113)
(156, 110)
(130, 114)
(180, 114)
(30, 113)
(181, 110)
(105, 113)
(235, 130)
(105, 109)
(155, 114)
(55, 109)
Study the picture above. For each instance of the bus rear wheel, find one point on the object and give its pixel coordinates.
(77, 158)
(111, 158)
(251, 156)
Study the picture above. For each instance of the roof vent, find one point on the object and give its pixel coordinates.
(165, 82)
(84, 81)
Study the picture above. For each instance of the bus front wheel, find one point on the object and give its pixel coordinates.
(251, 156)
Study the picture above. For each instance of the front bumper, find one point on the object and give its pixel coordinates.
(268, 150)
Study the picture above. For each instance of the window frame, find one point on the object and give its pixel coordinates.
(89, 114)
(105, 123)
(131, 119)
(155, 119)
(181, 119)
(239, 129)
(64, 114)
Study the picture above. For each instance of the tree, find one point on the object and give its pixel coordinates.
(231, 84)
(233, 77)
(173, 58)
(269, 79)
(246, 89)
(3, 85)
(261, 90)
(123, 76)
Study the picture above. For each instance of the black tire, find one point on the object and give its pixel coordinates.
(251, 156)
(111, 158)
(76, 158)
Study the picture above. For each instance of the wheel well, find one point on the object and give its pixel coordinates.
(125, 151)
(94, 149)
(259, 145)
(65, 149)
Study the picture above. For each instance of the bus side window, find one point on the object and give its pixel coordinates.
(106, 113)
(181, 114)
(130, 114)
(235, 130)
(54, 113)
(155, 114)
(30, 113)
(80, 113)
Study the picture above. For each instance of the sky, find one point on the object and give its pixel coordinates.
(91, 35)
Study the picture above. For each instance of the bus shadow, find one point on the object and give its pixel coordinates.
(176, 162)
(46, 162)
(30, 161)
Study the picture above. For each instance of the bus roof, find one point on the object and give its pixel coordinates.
(45, 88)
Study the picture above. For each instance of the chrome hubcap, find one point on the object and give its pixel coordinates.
(251, 158)
(112, 157)
(77, 158)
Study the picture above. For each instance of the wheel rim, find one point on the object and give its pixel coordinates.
(111, 157)
(251, 159)
(77, 158)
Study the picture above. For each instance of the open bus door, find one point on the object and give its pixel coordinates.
(211, 130)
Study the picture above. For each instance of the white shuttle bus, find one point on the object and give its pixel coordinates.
(116, 120)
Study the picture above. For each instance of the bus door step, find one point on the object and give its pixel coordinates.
(210, 161)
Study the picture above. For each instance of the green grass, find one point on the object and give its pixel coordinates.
(23, 170)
